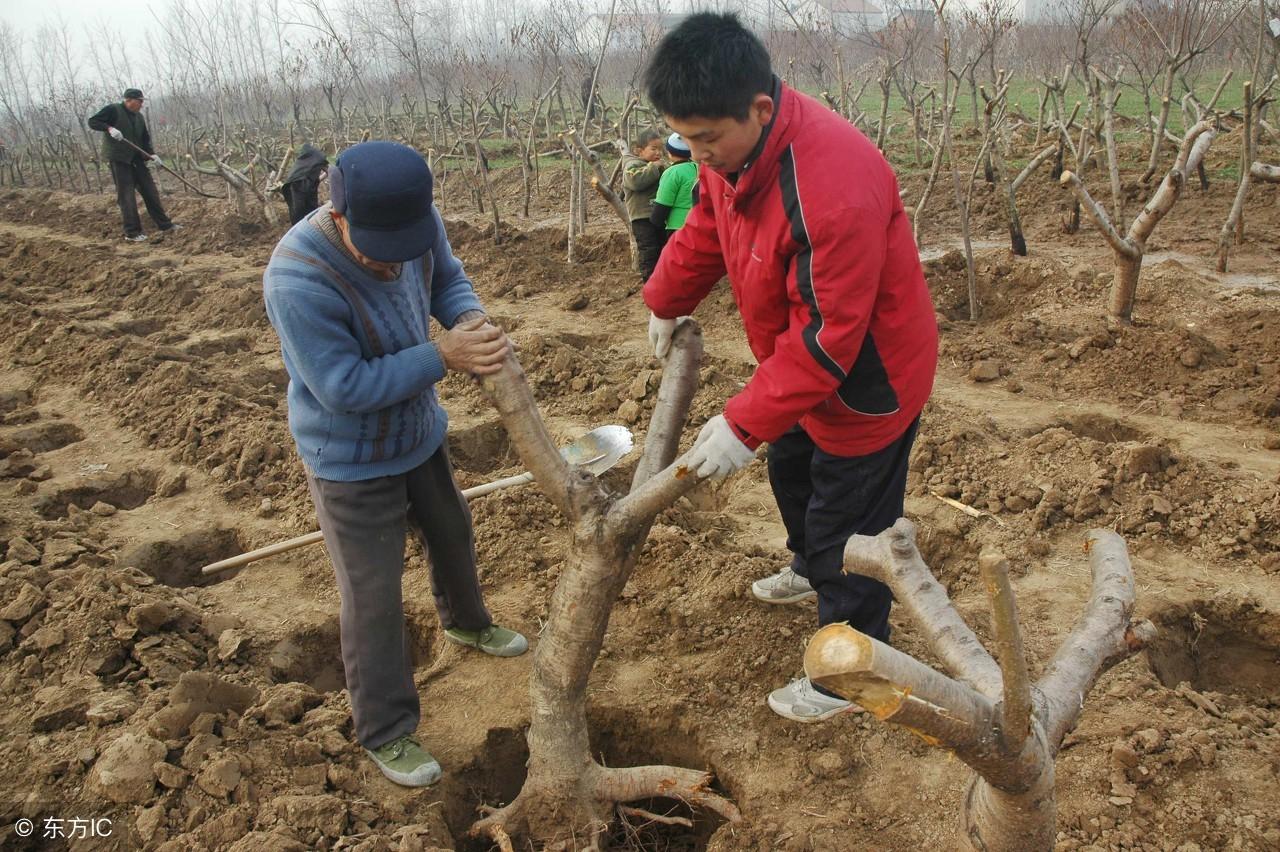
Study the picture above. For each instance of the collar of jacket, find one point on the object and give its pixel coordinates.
(761, 168)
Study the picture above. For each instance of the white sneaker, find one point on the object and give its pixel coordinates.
(800, 702)
(783, 588)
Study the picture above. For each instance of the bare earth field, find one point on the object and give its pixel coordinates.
(143, 434)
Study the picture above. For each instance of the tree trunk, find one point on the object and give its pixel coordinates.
(1233, 228)
(994, 820)
(1124, 289)
(567, 796)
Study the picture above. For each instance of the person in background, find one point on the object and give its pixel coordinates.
(675, 196)
(802, 212)
(301, 187)
(641, 170)
(126, 146)
(351, 291)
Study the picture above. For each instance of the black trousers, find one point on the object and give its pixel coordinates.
(128, 177)
(302, 196)
(364, 525)
(649, 240)
(824, 499)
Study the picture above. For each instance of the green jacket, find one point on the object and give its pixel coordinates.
(639, 183)
(132, 125)
(675, 190)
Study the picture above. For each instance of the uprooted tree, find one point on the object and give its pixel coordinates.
(567, 796)
(990, 716)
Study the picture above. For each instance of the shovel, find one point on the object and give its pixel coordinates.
(595, 452)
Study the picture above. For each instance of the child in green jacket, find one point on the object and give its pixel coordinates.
(675, 190)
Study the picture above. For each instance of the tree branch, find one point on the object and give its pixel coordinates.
(675, 395)
(1263, 171)
(1102, 636)
(892, 558)
(1036, 162)
(509, 393)
(1099, 216)
(1016, 723)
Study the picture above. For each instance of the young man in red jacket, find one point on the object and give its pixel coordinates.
(802, 212)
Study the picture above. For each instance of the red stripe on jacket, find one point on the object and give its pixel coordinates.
(827, 279)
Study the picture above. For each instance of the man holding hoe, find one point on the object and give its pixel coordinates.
(351, 290)
(126, 146)
(802, 212)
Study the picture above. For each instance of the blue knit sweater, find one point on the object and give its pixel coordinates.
(362, 371)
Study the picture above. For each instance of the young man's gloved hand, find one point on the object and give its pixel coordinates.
(660, 331)
(719, 452)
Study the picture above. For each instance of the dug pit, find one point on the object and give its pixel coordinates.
(1232, 649)
(312, 653)
(618, 738)
(177, 562)
(482, 448)
(45, 437)
(124, 491)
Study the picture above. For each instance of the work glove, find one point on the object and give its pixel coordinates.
(115, 134)
(156, 159)
(660, 331)
(718, 452)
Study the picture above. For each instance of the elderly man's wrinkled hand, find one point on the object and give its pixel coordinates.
(718, 452)
(475, 347)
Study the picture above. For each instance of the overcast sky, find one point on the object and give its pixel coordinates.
(26, 15)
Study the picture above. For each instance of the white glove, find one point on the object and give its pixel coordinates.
(115, 134)
(155, 159)
(660, 331)
(718, 451)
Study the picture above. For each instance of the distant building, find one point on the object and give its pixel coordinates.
(1040, 11)
(850, 17)
(1058, 11)
(630, 31)
(912, 19)
(846, 17)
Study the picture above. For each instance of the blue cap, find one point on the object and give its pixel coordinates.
(384, 191)
(676, 145)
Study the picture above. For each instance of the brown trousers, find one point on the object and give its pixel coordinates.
(364, 525)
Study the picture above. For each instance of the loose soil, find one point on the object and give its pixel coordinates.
(143, 434)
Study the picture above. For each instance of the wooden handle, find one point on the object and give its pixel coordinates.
(262, 553)
(313, 538)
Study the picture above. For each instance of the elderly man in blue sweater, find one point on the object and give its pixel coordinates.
(350, 291)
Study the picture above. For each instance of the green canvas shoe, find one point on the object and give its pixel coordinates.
(495, 640)
(406, 763)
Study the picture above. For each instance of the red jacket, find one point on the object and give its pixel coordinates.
(827, 278)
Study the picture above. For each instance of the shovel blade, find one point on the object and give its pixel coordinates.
(599, 449)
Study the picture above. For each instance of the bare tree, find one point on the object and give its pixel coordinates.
(1233, 228)
(567, 795)
(1129, 249)
(1184, 30)
(990, 716)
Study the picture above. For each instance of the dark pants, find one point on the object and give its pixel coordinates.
(364, 525)
(649, 241)
(302, 196)
(131, 176)
(824, 499)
